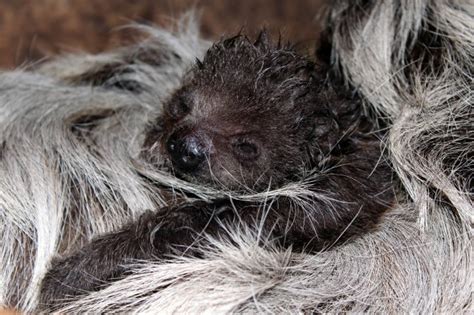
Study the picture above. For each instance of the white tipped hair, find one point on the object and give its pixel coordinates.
(56, 193)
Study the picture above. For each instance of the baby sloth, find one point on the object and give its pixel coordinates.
(248, 117)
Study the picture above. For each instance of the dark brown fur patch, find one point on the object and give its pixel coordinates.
(113, 75)
(3, 145)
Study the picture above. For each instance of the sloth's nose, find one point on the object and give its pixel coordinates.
(186, 152)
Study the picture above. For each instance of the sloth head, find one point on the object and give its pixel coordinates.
(253, 115)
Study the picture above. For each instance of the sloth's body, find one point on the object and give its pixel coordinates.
(249, 117)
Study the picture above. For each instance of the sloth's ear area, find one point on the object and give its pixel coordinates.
(336, 125)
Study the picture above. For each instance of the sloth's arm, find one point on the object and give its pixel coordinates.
(174, 231)
(154, 236)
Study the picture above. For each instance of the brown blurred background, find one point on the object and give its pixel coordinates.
(31, 30)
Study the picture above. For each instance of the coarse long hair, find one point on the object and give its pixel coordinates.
(70, 170)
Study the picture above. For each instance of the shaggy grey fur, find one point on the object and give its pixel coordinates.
(410, 60)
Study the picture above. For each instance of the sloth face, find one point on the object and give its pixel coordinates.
(250, 115)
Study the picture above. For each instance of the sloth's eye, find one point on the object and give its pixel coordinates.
(178, 108)
(246, 150)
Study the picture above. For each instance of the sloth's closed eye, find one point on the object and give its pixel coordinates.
(246, 150)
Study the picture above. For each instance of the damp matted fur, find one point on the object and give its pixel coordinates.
(411, 61)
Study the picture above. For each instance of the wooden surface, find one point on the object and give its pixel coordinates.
(31, 30)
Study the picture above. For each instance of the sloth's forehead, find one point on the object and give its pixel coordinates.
(226, 115)
(243, 90)
(241, 101)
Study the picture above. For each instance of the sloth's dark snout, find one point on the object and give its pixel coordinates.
(187, 152)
